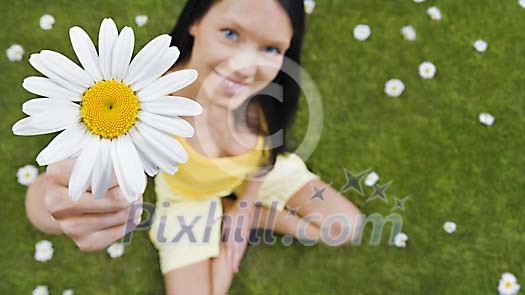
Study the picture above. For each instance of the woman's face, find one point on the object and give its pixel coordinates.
(238, 49)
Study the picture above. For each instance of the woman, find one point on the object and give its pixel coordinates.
(238, 49)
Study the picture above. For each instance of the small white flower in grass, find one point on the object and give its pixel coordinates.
(434, 13)
(41, 290)
(371, 178)
(115, 250)
(68, 292)
(394, 87)
(27, 174)
(15, 52)
(141, 20)
(43, 251)
(449, 227)
(362, 32)
(309, 6)
(408, 33)
(508, 284)
(427, 70)
(400, 240)
(116, 115)
(486, 119)
(419, 1)
(480, 45)
(522, 3)
(46, 22)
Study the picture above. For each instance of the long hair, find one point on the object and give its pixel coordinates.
(278, 115)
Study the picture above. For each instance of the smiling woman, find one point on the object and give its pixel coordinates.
(239, 54)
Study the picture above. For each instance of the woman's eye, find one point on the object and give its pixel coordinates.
(273, 50)
(230, 34)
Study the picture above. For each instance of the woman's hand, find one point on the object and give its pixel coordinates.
(93, 224)
(236, 230)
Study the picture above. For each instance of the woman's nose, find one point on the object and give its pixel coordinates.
(243, 65)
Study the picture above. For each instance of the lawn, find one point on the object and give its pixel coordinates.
(429, 142)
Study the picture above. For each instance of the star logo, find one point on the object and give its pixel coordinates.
(400, 203)
(292, 212)
(354, 181)
(379, 191)
(318, 193)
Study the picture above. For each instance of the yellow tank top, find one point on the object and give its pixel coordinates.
(203, 177)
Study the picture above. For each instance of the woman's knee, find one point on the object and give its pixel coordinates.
(191, 279)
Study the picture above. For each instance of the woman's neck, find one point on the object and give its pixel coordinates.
(214, 116)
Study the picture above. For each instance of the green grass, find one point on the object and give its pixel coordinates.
(428, 141)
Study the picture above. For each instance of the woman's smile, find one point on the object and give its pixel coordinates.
(231, 86)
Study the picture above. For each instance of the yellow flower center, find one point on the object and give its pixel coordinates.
(109, 108)
(27, 175)
(508, 285)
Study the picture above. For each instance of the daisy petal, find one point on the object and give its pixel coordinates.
(64, 145)
(86, 52)
(36, 61)
(128, 168)
(68, 69)
(165, 143)
(101, 177)
(106, 39)
(40, 105)
(122, 52)
(169, 125)
(172, 106)
(156, 69)
(149, 167)
(47, 122)
(146, 58)
(82, 171)
(168, 84)
(45, 87)
(153, 154)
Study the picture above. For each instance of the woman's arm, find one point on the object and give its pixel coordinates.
(248, 194)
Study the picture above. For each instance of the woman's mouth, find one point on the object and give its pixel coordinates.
(231, 86)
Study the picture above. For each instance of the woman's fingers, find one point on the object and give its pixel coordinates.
(60, 205)
(60, 173)
(86, 224)
(102, 238)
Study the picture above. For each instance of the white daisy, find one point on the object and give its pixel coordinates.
(408, 33)
(486, 119)
(141, 20)
(43, 251)
(15, 52)
(522, 3)
(508, 284)
(362, 32)
(400, 240)
(115, 250)
(434, 13)
(27, 174)
(41, 290)
(480, 45)
(427, 70)
(449, 227)
(309, 6)
(394, 87)
(371, 178)
(46, 22)
(419, 1)
(68, 292)
(116, 115)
